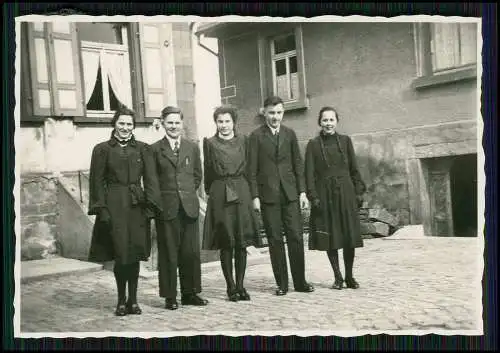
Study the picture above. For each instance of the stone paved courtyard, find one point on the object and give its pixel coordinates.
(406, 284)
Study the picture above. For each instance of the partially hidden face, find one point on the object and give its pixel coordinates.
(173, 125)
(225, 124)
(274, 115)
(124, 126)
(328, 122)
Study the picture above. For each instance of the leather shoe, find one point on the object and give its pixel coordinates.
(193, 300)
(338, 284)
(171, 304)
(134, 309)
(121, 310)
(232, 295)
(307, 288)
(351, 283)
(243, 294)
(280, 292)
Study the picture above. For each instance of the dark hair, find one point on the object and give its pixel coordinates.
(272, 101)
(122, 110)
(226, 109)
(327, 109)
(171, 110)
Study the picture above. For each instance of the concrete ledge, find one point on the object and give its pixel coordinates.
(37, 270)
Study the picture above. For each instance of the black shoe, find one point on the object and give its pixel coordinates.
(351, 283)
(171, 304)
(193, 299)
(232, 295)
(338, 284)
(280, 292)
(307, 288)
(134, 309)
(243, 294)
(121, 310)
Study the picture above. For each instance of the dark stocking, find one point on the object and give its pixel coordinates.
(348, 262)
(121, 281)
(133, 280)
(240, 259)
(226, 261)
(333, 256)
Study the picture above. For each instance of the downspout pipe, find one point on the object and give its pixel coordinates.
(198, 36)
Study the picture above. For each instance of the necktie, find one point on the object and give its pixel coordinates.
(176, 148)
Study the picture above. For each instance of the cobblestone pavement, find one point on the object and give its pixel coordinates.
(426, 284)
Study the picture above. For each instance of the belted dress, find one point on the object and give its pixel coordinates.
(123, 180)
(230, 221)
(333, 178)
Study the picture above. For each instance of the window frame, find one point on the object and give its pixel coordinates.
(30, 112)
(267, 68)
(426, 75)
(106, 47)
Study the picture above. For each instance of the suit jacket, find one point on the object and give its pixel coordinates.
(271, 167)
(179, 178)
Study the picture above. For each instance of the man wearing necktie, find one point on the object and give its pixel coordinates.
(277, 185)
(178, 164)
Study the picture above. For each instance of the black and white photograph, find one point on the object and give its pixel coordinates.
(234, 175)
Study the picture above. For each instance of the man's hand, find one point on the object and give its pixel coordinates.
(256, 204)
(304, 202)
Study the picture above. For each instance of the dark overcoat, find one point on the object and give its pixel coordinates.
(273, 164)
(122, 180)
(179, 178)
(336, 186)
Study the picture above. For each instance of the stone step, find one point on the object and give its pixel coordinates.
(375, 228)
(37, 270)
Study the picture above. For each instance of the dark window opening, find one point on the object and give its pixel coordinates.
(96, 101)
(463, 180)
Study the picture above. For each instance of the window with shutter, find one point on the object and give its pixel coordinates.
(39, 96)
(64, 59)
(105, 66)
(445, 52)
(157, 67)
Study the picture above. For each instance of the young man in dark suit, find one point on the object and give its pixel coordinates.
(278, 191)
(178, 165)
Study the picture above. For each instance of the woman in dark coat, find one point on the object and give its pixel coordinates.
(124, 195)
(335, 188)
(230, 222)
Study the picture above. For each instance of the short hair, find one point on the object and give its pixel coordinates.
(171, 110)
(122, 110)
(272, 101)
(226, 109)
(327, 109)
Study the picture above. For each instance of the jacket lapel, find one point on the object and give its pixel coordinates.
(166, 151)
(269, 134)
(183, 152)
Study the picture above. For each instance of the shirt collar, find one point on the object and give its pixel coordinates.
(172, 141)
(273, 130)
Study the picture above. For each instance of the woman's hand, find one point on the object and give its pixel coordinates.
(316, 203)
(105, 216)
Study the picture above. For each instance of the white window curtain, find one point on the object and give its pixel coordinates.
(90, 61)
(117, 67)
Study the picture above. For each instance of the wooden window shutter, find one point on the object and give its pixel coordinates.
(65, 69)
(157, 67)
(40, 95)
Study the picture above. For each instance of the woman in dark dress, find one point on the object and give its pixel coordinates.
(335, 188)
(124, 195)
(230, 222)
